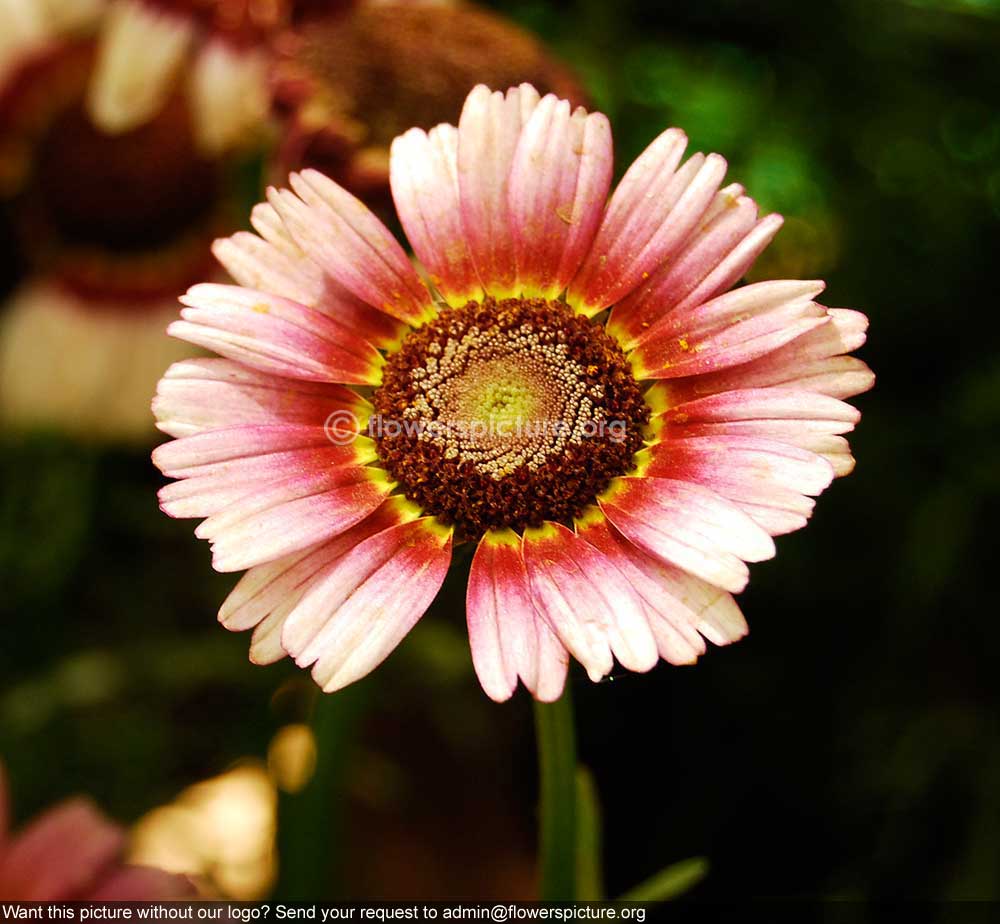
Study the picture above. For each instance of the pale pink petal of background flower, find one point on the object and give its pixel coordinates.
(60, 854)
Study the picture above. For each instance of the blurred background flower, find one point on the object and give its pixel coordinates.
(220, 831)
(125, 131)
(72, 852)
(352, 75)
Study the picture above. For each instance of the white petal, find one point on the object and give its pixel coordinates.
(139, 53)
(229, 93)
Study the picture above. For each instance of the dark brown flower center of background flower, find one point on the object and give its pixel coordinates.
(351, 80)
(115, 216)
(507, 413)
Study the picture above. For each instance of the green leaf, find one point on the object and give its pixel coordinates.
(669, 883)
(589, 877)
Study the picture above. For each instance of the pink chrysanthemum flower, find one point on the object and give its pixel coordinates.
(73, 853)
(573, 388)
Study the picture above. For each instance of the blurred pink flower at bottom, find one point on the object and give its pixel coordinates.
(74, 852)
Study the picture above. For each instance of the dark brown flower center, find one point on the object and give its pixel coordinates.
(359, 74)
(507, 413)
(126, 216)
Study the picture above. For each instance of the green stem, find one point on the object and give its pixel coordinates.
(557, 811)
(311, 822)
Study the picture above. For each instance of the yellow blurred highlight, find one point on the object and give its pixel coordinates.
(802, 250)
(291, 757)
(221, 832)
